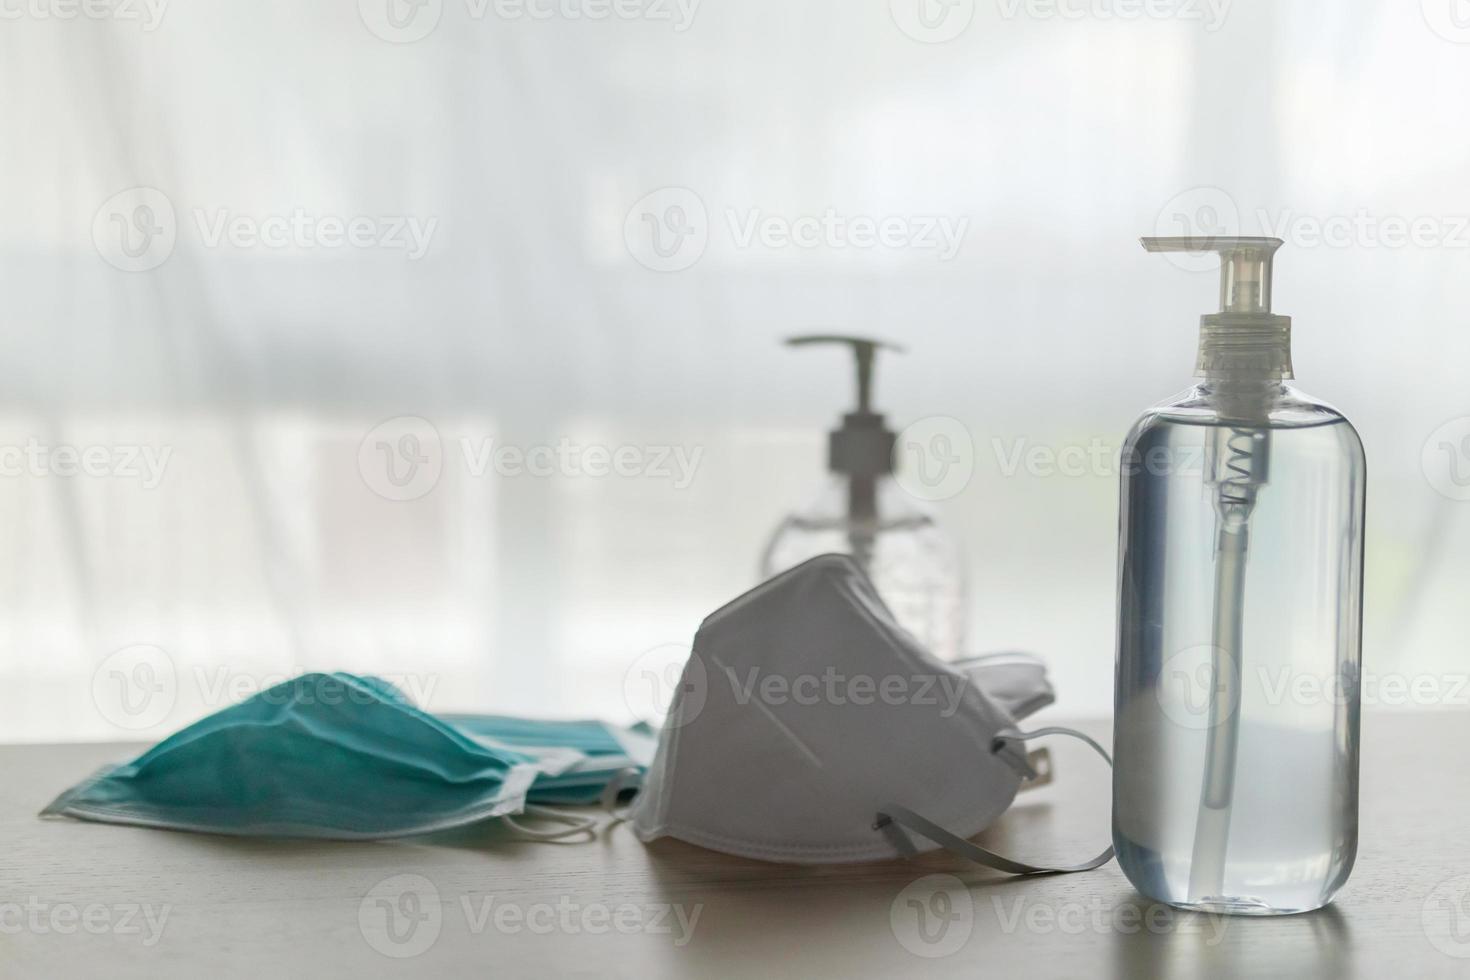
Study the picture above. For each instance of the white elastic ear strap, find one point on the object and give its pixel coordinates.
(623, 781)
(893, 820)
(571, 824)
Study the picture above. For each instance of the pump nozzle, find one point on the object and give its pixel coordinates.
(1245, 340)
(862, 448)
(863, 349)
(1245, 268)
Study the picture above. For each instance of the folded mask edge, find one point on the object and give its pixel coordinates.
(880, 849)
(843, 562)
(511, 800)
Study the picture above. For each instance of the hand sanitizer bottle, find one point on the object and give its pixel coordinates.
(1235, 784)
(863, 512)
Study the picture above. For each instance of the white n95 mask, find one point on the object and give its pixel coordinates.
(809, 727)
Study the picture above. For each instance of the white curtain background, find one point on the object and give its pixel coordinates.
(523, 148)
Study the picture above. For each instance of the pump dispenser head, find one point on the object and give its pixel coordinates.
(863, 446)
(1245, 341)
(861, 449)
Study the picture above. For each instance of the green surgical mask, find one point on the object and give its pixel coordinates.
(340, 756)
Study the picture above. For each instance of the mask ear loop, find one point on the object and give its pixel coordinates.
(572, 824)
(622, 782)
(893, 820)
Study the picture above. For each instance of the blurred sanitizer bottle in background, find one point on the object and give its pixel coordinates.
(1235, 784)
(862, 511)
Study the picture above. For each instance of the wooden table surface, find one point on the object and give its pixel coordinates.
(80, 899)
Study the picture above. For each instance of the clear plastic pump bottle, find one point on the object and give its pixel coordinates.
(914, 563)
(1235, 785)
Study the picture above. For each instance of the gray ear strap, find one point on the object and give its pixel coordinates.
(894, 820)
(623, 781)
